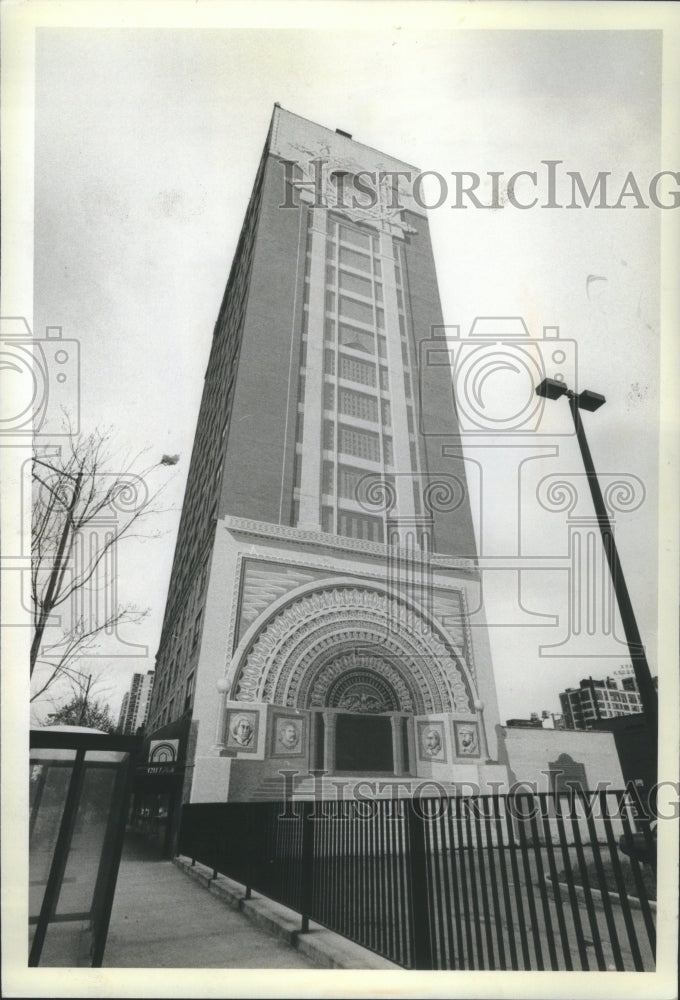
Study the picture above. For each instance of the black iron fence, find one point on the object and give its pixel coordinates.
(526, 881)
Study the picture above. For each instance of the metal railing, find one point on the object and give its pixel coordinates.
(527, 881)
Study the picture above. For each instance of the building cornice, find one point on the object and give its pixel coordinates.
(340, 544)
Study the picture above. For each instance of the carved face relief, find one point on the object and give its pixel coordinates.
(467, 739)
(431, 741)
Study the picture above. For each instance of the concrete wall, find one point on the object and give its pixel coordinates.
(529, 752)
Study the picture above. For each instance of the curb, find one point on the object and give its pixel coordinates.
(596, 895)
(325, 948)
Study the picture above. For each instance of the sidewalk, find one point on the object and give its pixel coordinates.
(163, 919)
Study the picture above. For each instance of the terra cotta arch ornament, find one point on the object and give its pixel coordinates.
(291, 651)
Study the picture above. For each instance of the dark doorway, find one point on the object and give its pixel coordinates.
(363, 743)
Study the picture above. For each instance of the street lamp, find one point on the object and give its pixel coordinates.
(551, 388)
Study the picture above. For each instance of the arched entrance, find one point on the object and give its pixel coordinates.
(362, 710)
(362, 663)
(363, 729)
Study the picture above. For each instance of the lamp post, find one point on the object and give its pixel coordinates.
(587, 400)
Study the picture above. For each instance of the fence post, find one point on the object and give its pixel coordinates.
(416, 862)
(307, 863)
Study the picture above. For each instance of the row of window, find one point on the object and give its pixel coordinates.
(357, 404)
(175, 707)
(354, 324)
(344, 280)
(352, 525)
(178, 650)
(359, 443)
(200, 500)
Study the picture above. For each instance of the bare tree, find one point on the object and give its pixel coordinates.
(81, 511)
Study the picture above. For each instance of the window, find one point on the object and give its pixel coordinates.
(348, 481)
(327, 477)
(353, 259)
(327, 519)
(197, 630)
(329, 362)
(363, 444)
(328, 396)
(358, 340)
(357, 404)
(353, 283)
(355, 370)
(329, 435)
(189, 692)
(360, 526)
(352, 309)
(356, 238)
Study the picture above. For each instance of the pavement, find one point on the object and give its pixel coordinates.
(173, 915)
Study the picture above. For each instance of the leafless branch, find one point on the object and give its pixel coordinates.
(81, 495)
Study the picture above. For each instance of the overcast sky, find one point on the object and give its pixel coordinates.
(147, 143)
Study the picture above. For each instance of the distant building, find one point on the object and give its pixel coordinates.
(533, 722)
(135, 708)
(546, 720)
(595, 700)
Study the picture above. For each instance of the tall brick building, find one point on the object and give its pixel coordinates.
(324, 606)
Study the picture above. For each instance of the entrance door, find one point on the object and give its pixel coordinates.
(363, 743)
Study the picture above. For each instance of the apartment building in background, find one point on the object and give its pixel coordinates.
(596, 700)
(134, 710)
